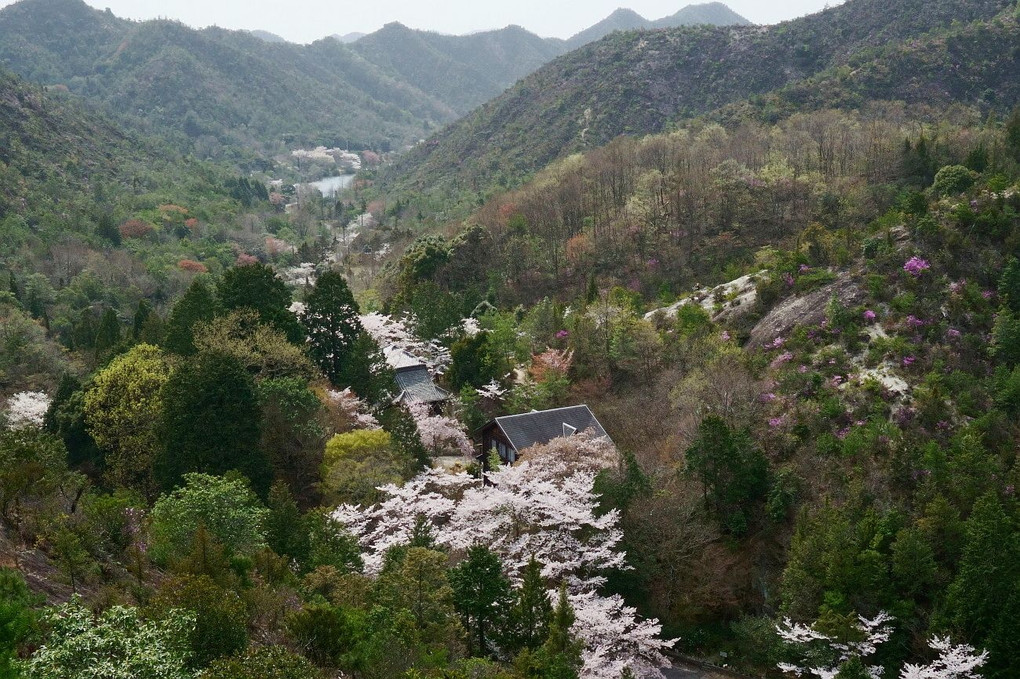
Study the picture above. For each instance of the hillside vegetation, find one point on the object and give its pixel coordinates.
(639, 82)
(214, 87)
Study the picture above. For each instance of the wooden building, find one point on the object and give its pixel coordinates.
(512, 434)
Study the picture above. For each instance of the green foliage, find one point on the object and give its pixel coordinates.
(366, 371)
(293, 433)
(840, 561)
(415, 580)
(331, 320)
(197, 305)
(32, 467)
(1006, 339)
(17, 619)
(122, 410)
(952, 180)
(358, 462)
(330, 544)
(324, 633)
(1009, 286)
(473, 362)
(257, 287)
(263, 350)
(225, 506)
(118, 644)
(220, 618)
(263, 662)
(981, 601)
(435, 311)
(527, 626)
(733, 473)
(286, 529)
(560, 656)
(211, 423)
(480, 593)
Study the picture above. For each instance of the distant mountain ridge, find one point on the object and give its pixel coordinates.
(709, 14)
(636, 83)
(463, 71)
(215, 86)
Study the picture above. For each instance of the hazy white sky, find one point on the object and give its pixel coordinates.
(308, 20)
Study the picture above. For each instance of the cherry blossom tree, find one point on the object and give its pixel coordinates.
(544, 508)
(352, 409)
(441, 435)
(27, 409)
(828, 654)
(391, 332)
(955, 661)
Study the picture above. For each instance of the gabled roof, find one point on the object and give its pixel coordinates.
(398, 358)
(528, 429)
(416, 386)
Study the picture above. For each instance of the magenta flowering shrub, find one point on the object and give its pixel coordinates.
(915, 266)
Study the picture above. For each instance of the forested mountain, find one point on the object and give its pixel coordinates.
(214, 86)
(462, 71)
(794, 308)
(713, 14)
(638, 82)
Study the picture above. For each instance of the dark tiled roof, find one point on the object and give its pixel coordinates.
(528, 429)
(416, 386)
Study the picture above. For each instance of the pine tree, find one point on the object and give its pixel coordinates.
(530, 612)
(211, 422)
(196, 306)
(560, 656)
(257, 287)
(108, 333)
(480, 593)
(286, 529)
(332, 323)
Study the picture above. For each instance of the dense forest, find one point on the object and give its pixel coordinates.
(794, 307)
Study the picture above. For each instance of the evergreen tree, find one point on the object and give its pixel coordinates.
(286, 529)
(197, 305)
(530, 611)
(367, 373)
(142, 314)
(108, 333)
(480, 593)
(733, 473)
(1009, 286)
(257, 287)
(211, 423)
(332, 323)
(987, 585)
(1013, 135)
(560, 656)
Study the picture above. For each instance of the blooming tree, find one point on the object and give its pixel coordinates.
(440, 434)
(833, 653)
(352, 408)
(389, 331)
(955, 661)
(27, 409)
(544, 508)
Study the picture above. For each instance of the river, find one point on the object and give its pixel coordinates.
(330, 185)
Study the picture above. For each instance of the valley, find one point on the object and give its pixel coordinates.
(683, 347)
